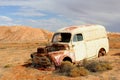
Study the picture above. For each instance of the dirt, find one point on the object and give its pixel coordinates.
(14, 56)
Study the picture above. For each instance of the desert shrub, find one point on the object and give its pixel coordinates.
(66, 67)
(82, 63)
(7, 65)
(96, 66)
(83, 71)
(106, 65)
(78, 71)
(74, 72)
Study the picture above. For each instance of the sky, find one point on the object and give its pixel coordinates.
(54, 14)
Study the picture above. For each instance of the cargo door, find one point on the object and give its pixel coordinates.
(79, 47)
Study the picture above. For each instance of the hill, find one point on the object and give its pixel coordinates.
(114, 40)
(23, 34)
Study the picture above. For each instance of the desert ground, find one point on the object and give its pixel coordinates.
(14, 56)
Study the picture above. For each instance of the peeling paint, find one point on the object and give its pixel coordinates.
(70, 28)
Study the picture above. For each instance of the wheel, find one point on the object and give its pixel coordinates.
(102, 52)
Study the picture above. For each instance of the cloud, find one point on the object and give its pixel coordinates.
(94, 11)
(106, 9)
(29, 12)
(104, 12)
(51, 24)
(26, 8)
(5, 18)
(38, 4)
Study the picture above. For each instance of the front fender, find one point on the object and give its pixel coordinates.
(58, 56)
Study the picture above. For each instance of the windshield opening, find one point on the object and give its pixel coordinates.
(61, 37)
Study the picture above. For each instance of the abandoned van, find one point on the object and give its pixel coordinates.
(73, 44)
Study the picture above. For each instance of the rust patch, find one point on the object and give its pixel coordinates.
(57, 47)
(57, 53)
(59, 56)
(75, 27)
(70, 28)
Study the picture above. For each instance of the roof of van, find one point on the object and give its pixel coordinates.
(81, 28)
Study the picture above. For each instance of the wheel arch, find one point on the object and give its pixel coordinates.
(67, 58)
(100, 50)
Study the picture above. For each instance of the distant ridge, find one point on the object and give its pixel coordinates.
(116, 33)
(23, 34)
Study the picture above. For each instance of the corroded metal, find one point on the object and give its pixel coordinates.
(45, 56)
(70, 28)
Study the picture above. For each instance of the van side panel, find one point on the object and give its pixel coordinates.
(94, 46)
(95, 40)
(95, 34)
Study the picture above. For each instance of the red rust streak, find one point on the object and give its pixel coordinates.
(70, 28)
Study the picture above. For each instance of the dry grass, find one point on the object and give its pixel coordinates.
(8, 66)
(65, 68)
(97, 66)
(68, 69)
(78, 71)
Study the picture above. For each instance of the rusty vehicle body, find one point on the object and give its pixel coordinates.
(49, 55)
(73, 44)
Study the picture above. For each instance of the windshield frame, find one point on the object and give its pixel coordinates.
(64, 35)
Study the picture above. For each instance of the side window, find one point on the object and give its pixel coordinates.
(77, 37)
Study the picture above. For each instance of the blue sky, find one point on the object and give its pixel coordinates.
(54, 14)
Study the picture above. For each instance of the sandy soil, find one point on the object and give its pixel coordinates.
(14, 56)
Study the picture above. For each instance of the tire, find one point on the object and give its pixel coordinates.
(102, 52)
